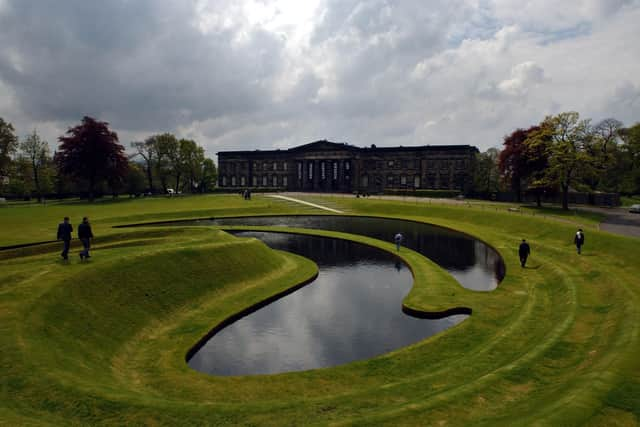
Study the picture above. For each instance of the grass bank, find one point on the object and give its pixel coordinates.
(104, 342)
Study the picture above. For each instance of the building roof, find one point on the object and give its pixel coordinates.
(323, 145)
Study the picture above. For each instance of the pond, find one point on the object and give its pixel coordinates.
(474, 264)
(351, 311)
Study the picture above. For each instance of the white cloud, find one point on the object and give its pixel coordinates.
(523, 76)
(276, 73)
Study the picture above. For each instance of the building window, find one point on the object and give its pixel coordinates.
(285, 181)
(255, 181)
(275, 166)
(323, 174)
(243, 181)
(335, 171)
(224, 181)
(310, 171)
(390, 163)
(300, 171)
(264, 166)
(365, 180)
(403, 180)
(389, 179)
(284, 166)
(264, 181)
(233, 181)
(275, 180)
(256, 165)
(416, 181)
(347, 165)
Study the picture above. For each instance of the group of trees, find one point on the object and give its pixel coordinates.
(179, 163)
(564, 153)
(90, 160)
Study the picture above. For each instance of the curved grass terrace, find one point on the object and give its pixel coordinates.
(104, 342)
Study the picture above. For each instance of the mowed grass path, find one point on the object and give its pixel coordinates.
(104, 342)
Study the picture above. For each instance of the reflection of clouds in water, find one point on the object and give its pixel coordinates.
(452, 250)
(352, 311)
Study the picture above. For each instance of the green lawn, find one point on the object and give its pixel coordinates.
(104, 342)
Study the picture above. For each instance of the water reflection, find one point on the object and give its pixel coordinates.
(475, 265)
(352, 311)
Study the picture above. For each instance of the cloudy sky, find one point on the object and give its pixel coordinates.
(247, 74)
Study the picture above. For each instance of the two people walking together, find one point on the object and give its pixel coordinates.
(65, 229)
(525, 250)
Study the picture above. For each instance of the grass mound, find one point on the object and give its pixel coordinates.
(104, 342)
(76, 323)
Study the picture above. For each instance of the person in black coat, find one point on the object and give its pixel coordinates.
(85, 235)
(64, 233)
(579, 240)
(524, 252)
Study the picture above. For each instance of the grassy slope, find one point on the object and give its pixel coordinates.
(556, 344)
(35, 223)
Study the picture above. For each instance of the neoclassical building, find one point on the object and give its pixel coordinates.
(339, 167)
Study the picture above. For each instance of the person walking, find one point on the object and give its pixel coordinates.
(579, 240)
(85, 235)
(398, 239)
(524, 250)
(64, 233)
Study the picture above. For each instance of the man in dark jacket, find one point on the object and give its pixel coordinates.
(64, 233)
(579, 240)
(85, 235)
(524, 252)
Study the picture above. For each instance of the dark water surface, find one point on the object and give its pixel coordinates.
(352, 311)
(474, 264)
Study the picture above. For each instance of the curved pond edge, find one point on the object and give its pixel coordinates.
(245, 312)
(399, 218)
(408, 257)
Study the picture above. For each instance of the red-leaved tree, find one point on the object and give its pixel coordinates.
(91, 152)
(515, 161)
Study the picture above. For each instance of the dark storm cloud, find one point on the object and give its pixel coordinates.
(141, 64)
(244, 74)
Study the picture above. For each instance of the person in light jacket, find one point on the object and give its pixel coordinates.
(579, 240)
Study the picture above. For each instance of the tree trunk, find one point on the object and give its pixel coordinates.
(538, 200)
(177, 182)
(149, 177)
(517, 189)
(36, 180)
(91, 185)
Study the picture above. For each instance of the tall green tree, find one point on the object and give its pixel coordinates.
(191, 158)
(91, 152)
(208, 176)
(630, 155)
(604, 151)
(36, 151)
(8, 146)
(134, 180)
(148, 151)
(567, 141)
(486, 175)
(167, 157)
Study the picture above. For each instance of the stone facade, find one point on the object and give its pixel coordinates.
(338, 167)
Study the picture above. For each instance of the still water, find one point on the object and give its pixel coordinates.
(351, 311)
(474, 264)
